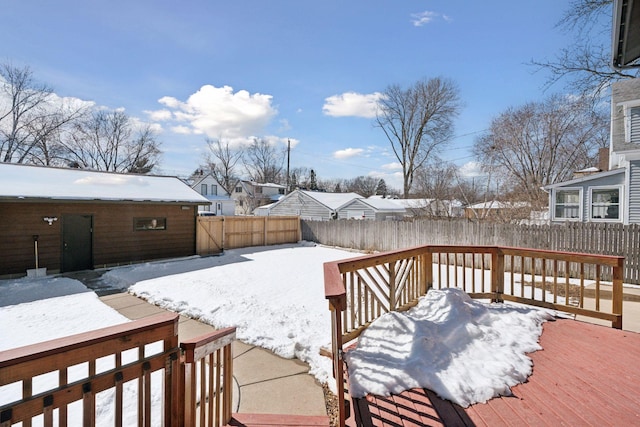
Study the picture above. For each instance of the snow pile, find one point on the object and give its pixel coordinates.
(464, 350)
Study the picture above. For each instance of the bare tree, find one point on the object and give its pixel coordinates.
(107, 141)
(264, 162)
(363, 185)
(31, 118)
(418, 121)
(222, 161)
(542, 143)
(586, 63)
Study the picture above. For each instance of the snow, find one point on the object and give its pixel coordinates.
(36, 182)
(464, 350)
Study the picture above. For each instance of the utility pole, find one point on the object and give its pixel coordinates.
(286, 191)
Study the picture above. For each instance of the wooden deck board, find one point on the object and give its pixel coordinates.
(585, 375)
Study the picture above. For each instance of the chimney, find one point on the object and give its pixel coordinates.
(603, 159)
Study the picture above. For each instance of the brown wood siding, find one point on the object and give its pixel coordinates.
(114, 239)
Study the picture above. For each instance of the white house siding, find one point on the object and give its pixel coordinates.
(300, 204)
(634, 192)
(356, 208)
(622, 92)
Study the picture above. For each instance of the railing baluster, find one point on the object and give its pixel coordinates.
(597, 287)
(555, 281)
(581, 284)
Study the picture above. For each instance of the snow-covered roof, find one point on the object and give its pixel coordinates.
(495, 204)
(331, 200)
(384, 204)
(38, 182)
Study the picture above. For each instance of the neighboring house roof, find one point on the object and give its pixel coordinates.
(38, 182)
(585, 178)
(383, 204)
(423, 203)
(332, 201)
(495, 204)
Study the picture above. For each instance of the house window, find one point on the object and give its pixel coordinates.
(214, 190)
(147, 224)
(203, 189)
(258, 190)
(239, 189)
(605, 204)
(567, 204)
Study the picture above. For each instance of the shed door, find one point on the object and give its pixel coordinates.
(76, 242)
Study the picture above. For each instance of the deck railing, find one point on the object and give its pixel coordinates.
(63, 379)
(208, 374)
(361, 289)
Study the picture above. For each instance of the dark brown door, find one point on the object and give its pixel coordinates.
(77, 233)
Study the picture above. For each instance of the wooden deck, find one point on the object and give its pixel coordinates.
(585, 375)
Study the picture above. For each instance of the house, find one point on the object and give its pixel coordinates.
(312, 205)
(497, 210)
(73, 219)
(249, 195)
(613, 194)
(220, 200)
(323, 206)
(434, 208)
(371, 208)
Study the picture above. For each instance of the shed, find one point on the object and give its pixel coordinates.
(79, 219)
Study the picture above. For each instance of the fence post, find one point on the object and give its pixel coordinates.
(497, 273)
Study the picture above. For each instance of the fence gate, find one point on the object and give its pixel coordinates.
(209, 235)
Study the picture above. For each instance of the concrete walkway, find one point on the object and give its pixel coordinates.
(264, 383)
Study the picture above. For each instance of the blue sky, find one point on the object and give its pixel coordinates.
(300, 70)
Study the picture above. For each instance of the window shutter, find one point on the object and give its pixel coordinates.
(635, 124)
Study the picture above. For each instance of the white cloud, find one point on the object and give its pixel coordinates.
(159, 115)
(348, 153)
(219, 112)
(392, 166)
(183, 130)
(471, 169)
(426, 17)
(351, 104)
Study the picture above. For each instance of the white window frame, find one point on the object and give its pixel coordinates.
(580, 203)
(620, 200)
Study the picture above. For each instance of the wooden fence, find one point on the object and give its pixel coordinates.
(214, 234)
(592, 238)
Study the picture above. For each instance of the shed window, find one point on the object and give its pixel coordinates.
(147, 224)
(567, 204)
(605, 204)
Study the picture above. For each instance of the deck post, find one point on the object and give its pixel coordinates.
(392, 286)
(618, 274)
(426, 281)
(497, 274)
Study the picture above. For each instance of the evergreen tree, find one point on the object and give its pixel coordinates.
(314, 183)
(381, 190)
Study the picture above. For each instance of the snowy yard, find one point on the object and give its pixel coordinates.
(465, 350)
